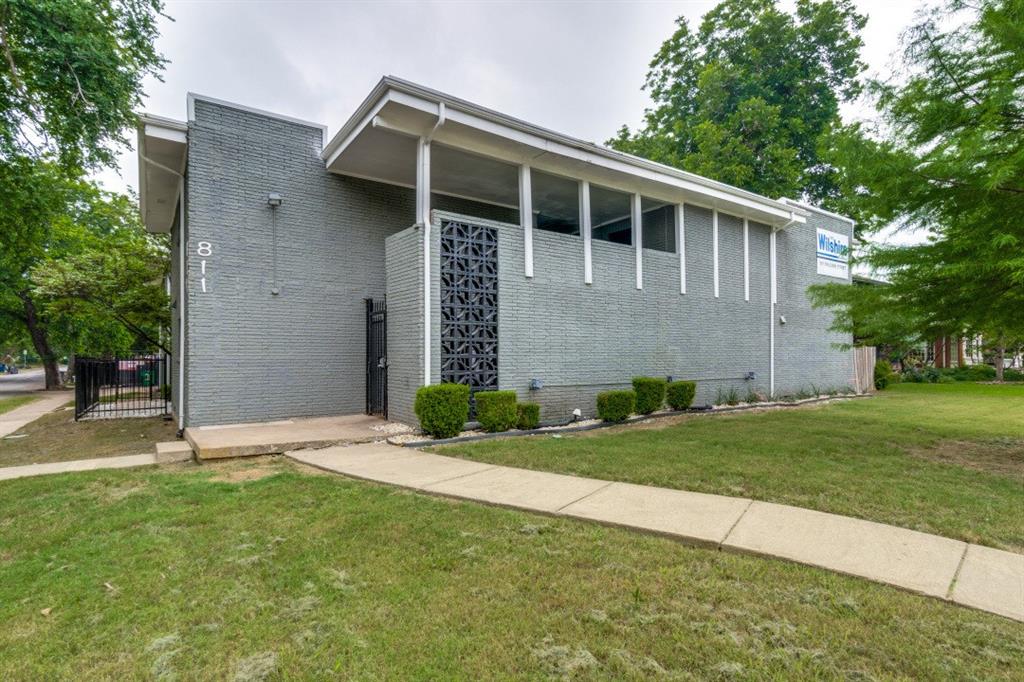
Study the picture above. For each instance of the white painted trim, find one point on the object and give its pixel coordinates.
(343, 144)
(423, 215)
(193, 97)
(771, 321)
(526, 216)
(163, 132)
(539, 161)
(681, 244)
(815, 209)
(585, 230)
(746, 260)
(637, 223)
(714, 247)
(547, 141)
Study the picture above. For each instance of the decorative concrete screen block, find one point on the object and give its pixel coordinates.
(469, 305)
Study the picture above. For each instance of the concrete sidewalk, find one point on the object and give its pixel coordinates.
(46, 401)
(120, 462)
(981, 577)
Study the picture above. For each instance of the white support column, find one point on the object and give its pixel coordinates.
(423, 216)
(714, 246)
(638, 239)
(681, 245)
(526, 216)
(771, 328)
(746, 260)
(588, 261)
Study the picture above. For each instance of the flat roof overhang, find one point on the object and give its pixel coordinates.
(379, 142)
(162, 147)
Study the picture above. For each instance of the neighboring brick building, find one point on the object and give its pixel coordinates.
(624, 267)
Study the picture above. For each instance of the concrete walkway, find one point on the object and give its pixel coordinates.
(120, 462)
(46, 401)
(984, 578)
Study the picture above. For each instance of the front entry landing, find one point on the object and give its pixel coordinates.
(267, 438)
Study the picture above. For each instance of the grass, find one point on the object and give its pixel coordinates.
(57, 437)
(8, 404)
(944, 459)
(258, 569)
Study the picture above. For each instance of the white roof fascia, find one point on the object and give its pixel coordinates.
(163, 128)
(815, 209)
(193, 97)
(425, 99)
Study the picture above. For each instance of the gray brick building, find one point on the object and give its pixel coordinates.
(509, 256)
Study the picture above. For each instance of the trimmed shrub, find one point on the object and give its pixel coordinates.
(616, 406)
(650, 394)
(679, 394)
(529, 416)
(1011, 375)
(442, 409)
(883, 374)
(496, 410)
(945, 379)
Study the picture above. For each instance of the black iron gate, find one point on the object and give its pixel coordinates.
(136, 386)
(377, 357)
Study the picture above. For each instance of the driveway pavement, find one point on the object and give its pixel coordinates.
(981, 577)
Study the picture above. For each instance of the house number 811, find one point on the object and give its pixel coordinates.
(204, 249)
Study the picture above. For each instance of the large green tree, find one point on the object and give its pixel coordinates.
(750, 97)
(71, 75)
(945, 161)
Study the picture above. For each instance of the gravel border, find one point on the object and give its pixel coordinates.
(569, 428)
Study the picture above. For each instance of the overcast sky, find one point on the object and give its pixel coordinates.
(575, 67)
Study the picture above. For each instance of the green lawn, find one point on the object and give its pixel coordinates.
(57, 437)
(940, 458)
(8, 404)
(212, 572)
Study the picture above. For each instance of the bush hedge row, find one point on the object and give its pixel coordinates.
(616, 406)
(443, 410)
(680, 394)
(650, 393)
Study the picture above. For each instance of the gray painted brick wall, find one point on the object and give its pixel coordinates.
(800, 361)
(580, 340)
(404, 262)
(255, 356)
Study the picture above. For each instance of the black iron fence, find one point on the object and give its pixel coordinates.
(137, 386)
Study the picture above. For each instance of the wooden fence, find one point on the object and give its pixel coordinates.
(864, 369)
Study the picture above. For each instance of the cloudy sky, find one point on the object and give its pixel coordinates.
(575, 67)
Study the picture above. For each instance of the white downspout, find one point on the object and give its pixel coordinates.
(182, 245)
(774, 300)
(423, 188)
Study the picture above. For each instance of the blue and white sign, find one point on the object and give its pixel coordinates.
(833, 254)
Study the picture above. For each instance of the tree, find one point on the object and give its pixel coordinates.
(107, 271)
(84, 265)
(946, 160)
(71, 74)
(751, 96)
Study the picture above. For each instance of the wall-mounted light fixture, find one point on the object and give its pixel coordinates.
(273, 201)
(782, 319)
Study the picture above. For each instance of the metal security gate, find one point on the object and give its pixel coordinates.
(136, 386)
(377, 357)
